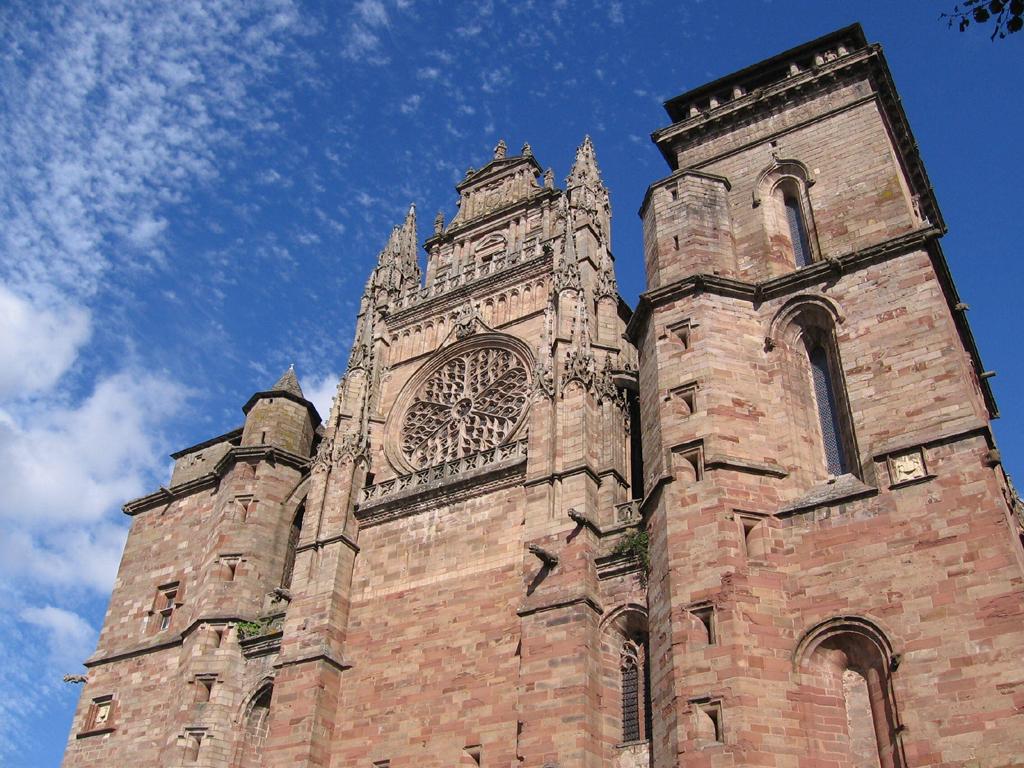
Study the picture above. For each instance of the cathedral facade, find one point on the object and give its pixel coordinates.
(758, 520)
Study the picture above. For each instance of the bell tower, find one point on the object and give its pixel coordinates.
(820, 472)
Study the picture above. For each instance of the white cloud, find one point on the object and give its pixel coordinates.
(63, 469)
(410, 104)
(368, 19)
(105, 130)
(372, 12)
(615, 14)
(493, 80)
(69, 637)
(38, 343)
(104, 127)
(320, 392)
(98, 450)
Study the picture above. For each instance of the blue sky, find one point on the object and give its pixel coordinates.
(191, 197)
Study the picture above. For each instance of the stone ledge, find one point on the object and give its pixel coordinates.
(251, 453)
(586, 600)
(736, 464)
(615, 564)
(843, 489)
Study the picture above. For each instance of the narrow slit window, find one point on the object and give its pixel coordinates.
(797, 231)
(293, 542)
(828, 412)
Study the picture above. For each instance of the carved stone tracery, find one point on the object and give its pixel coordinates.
(473, 399)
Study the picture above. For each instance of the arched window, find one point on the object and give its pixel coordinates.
(789, 224)
(257, 725)
(293, 543)
(846, 667)
(828, 411)
(635, 686)
(820, 438)
(797, 230)
(630, 666)
(624, 688)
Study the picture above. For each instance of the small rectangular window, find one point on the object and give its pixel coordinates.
(168, 598)
(204, 688)
(193, 740)
(100, 717)
(709, 725)
(706, 615)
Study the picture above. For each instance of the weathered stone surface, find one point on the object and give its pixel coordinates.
(457, 567)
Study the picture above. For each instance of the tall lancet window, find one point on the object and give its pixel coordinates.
(828, 411)
(636, 702)
(797, 230)
(293, 543)
(630, 666)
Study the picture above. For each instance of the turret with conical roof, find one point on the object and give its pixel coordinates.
(281, 417)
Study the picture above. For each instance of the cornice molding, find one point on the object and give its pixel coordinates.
(251, 454)
(783, 285)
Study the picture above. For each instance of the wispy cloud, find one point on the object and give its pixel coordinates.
(410, 104)
(114, 114)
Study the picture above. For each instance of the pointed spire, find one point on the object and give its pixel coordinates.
(587, 193)
(584, 167)
(398, 269)
(289, 383)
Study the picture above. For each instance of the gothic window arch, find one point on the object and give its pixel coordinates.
(846, 666)
(631, 666)
(822, 439)
(782, 191)
(625, 681)
(255, 727)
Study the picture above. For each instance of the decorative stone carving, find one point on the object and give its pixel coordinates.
(359, 357)
(432, 477)
(467, 321)
(607, 285)
(579, 366)
(351, 446)
(907, 466)
(544, 378)
(543, 370)
(567, 272)
(474, 398)
(604, 386)
(500, 150)
(322, 459)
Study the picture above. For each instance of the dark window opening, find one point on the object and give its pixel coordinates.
(293, 543)
(636, 453)
(828, 412)
(797, 231)
(636, 684)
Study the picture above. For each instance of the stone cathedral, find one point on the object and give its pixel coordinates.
(757, 520)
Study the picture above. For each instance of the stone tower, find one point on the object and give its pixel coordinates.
(835, 566)
(760, 521)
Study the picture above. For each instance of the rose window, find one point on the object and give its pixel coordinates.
(472, 402)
